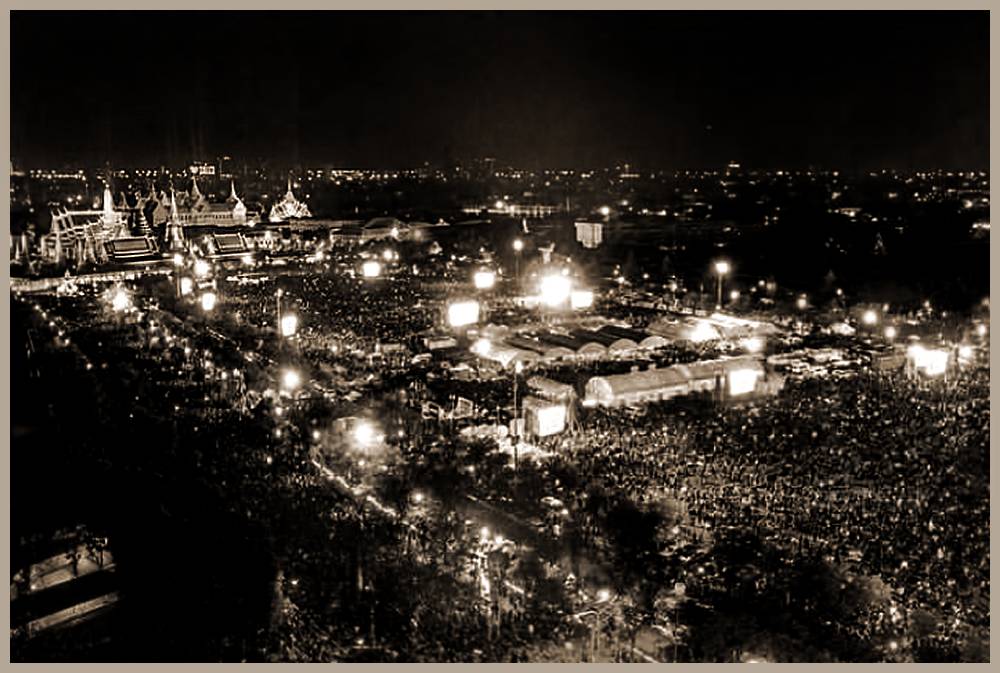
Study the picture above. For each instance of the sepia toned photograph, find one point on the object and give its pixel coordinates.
(499, 336)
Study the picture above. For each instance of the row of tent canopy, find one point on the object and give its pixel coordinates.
(508, 348)
(709, 328)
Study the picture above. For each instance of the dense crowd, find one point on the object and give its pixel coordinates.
(886, 474)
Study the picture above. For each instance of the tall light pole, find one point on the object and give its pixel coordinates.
(721, 269)
(278, 309)
(517, 417)
(518, 246)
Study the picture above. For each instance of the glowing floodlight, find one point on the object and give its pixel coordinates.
(753, 344)
(722, 267)
(931, 362)
(703, 332)
(802, 303)
(187, 286)
(869, 317)
(484, 280)
(120, 301)
(364, 434)
(371, 269)
(742, 381)
(463, 313)
(518, 245)
(580, 299)
(202, 268)
(551, 420)
(482, 347)
(555, 290)
(499, 205)
(290, 380)
(890, 332)
(605, 211)
(208, 301)
(289, 325)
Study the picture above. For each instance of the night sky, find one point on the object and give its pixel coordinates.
(672, 90)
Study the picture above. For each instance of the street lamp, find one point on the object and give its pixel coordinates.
(870, 317)
(721, 269)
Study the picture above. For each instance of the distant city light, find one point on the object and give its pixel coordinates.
(202, 268)
(388, 254)
(518, 245)
(965, 352)
(605, 210)
(869, 317)
(555, 290)
(484, 280)
(981, 330)
(890, 332)
(734, 295)
(371, 269)
(463, 313)
(208, 301)
(722, 267)
(802, 303)
(187, 286)
(289, 325)
(499, 205)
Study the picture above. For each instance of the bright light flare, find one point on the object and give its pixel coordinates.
(931, 362)
(605, 210)
(802, 303)
(722, 267)
(484, 280)
(703, 332)
(742, 381)
(364, 434)
(753, 344)
(890, 332)
(555, 290)
(482, 347)
(289, 325)
(869, 317)
(290, 380)
(463, 313)
(202, 268)
(208, 301)
(518, 245)
(371, 269)
(120, 301)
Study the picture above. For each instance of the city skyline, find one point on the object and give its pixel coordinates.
(668, 90)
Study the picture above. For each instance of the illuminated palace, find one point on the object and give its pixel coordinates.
(115, 231)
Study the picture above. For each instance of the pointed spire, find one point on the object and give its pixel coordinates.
(290, 185)
(174, 216)
(195, 193)
(232, 190)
